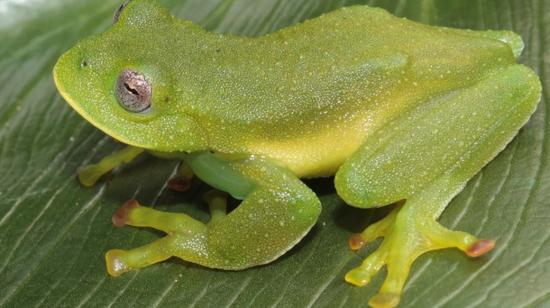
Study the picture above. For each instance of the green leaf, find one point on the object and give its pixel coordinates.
(53, 232)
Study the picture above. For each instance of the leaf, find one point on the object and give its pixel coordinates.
(53, 232)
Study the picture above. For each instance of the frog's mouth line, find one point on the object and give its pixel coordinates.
(61, 89)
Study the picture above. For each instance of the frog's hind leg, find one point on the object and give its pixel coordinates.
(409, 231)
(276, 212)
(425, 157)
(88, 175)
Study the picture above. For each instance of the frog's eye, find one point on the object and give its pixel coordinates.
(119, 10)
(133, 91)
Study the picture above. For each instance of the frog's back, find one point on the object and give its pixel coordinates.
(310, 94)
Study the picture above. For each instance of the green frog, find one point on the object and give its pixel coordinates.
(397, 111)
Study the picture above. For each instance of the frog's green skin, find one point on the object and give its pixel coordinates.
(395, 109)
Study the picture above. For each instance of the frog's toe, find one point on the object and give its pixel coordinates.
(120, 261)
(384, 300)
(179, 184)
(361, 276)
(115, 263)
(356, 241)
(182, 181)
(217, 203)
(89, 175)
(480, 248)
(372, 232)
(439, 238)
(407, 235)
(120, 217)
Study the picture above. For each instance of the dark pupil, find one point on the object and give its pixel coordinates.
(133, 91)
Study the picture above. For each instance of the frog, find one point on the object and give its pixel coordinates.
(398, 112)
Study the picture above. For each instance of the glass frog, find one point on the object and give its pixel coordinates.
(397, 111)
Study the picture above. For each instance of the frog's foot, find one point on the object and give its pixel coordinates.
(89, 175)
(407, 235)
(182, 233)
(182, 181)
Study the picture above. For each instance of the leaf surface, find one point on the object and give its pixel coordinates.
(53, 232)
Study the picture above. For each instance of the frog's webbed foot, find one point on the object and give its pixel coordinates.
(408, 233)
(90, 174)
(277, 210)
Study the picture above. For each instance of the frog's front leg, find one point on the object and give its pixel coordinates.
(88, 175)
(276, 212)
(424, 158)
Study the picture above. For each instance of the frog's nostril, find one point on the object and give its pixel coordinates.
(83, 63)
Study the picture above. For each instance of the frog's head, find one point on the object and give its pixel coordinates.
(121, 82)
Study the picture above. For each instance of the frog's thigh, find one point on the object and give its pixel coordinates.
(277, 211)
(425, 158)
(458, 132)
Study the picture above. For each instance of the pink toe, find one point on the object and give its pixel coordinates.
(480, 247)
(121, 215)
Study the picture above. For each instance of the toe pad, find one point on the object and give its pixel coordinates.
(121, 215)
(480, 247)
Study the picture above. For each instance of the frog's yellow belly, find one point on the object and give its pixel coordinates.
(319, 149)
(318, 154)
